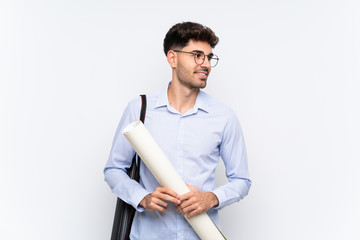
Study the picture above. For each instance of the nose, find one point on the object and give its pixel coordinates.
(206, 63)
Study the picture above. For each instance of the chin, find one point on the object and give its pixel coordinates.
(203, 83)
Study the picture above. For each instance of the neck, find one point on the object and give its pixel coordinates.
(181, 97)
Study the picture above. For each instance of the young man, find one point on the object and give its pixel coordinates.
(194, 130)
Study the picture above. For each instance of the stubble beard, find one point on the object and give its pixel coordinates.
(187, 78)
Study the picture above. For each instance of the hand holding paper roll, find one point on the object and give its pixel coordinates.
(166, 175)
(196, 201)
(158, 200)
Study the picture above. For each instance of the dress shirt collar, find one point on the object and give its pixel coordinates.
(200, 103)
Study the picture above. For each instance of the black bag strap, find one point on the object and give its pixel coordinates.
(143, 108)
(124, 213)
(142, 118)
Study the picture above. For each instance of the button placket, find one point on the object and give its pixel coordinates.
(180, 146)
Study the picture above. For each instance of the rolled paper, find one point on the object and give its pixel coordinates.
(164, 172)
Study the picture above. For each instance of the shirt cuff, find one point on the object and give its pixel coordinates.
(221, 198)
(137, 197)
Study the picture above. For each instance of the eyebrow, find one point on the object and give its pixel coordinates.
(197, 51)
(201, 52)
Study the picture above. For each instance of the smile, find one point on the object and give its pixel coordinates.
(202, 73)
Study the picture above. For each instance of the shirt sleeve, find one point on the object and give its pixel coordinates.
(233, 154)
(120, 158)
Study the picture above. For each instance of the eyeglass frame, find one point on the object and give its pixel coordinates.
(209, 56)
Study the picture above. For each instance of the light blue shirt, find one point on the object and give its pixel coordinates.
(194, 143)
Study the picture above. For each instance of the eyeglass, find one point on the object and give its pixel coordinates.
(199, 57)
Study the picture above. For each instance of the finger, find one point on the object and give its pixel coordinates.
(167, 194)
(160, 202)
(180, 211)
(194, 211)
(186, 196)
(186, 207)
(170, 192)
(169, 198)
(157, 207)
(166, 197)
(189, 208)
(186, 203)
(151, 206)
(157, 204)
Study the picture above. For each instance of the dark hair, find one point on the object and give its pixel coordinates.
(179, 35)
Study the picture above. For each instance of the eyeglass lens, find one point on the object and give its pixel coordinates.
(200, 59)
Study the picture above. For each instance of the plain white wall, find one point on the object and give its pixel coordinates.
(289, 69)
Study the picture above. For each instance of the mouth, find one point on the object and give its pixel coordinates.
(202, 73)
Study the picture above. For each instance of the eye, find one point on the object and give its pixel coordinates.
(210, 56)
(199, 55)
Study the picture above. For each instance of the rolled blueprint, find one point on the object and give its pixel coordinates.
(164, 172)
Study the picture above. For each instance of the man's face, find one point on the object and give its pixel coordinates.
(187, 71)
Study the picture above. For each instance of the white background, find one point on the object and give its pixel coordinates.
(289, 69)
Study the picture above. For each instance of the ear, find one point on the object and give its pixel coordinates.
(171, 58)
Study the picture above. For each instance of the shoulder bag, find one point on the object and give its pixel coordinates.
(124, 213)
